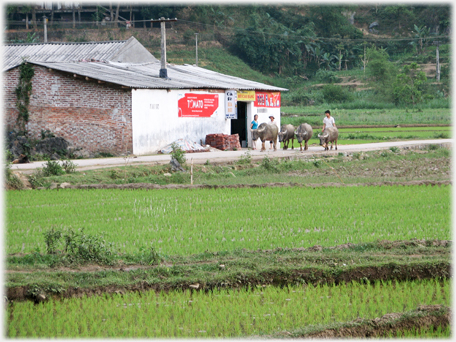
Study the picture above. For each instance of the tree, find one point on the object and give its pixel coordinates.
(407, 89)
(421, 32)
(268, 47)
(379, 68)
(330, 22)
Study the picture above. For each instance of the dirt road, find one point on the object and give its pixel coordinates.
(215, 157)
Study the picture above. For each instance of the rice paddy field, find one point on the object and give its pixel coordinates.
(206, 229)
(221, 313)
(182, 222)
(375, 116)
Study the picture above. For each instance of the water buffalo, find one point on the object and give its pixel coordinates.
(329, 135)
(304, 132)
(266, 132)
(286, 133)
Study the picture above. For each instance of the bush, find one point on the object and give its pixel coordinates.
(68, 166)
(246, 158)
(12, 180)
(79, 247)
(270, 164)
(394, 149)
(178, 154)
(336, 94)
(9, 156)
(51, 238)
(327, 76)
(37, 180)
(52, 168)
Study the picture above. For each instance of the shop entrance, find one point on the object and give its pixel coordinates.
(239, 126)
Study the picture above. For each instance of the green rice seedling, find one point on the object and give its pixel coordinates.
(182, 222)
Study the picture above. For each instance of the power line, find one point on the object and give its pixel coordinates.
(291, 35)
(248, 31)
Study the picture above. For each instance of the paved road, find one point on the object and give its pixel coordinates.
(215, 157)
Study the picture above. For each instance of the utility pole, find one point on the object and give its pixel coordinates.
(45, 29)
(437, 61)
(163, 21)
(196, 35)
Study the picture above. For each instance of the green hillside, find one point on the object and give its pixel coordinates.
(352, 56)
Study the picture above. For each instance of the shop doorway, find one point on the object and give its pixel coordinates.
(239, 126)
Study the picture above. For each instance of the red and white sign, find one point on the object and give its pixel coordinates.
(267, 99)
(198, 105)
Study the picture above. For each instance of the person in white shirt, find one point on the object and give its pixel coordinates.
(328, 121)
(272, 122)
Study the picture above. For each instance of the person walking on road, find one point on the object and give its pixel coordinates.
(328, 121)
(272, 122)
(254, 125)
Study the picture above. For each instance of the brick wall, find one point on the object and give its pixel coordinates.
(96, 117)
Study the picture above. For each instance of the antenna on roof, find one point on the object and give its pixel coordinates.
(163, 21)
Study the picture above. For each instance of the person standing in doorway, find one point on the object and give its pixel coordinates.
(328, 121)
(272, 122)
(254, 125)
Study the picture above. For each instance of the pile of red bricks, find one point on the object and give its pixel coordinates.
(223, 141)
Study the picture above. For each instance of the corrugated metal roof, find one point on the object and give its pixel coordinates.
(146, 76)
(101, 61)
(64, 52)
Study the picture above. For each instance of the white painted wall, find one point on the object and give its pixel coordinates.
(156, 123)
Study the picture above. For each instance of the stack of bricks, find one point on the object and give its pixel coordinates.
(223, 141)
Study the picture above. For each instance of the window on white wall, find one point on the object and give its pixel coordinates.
(154, 106)
(262, 110)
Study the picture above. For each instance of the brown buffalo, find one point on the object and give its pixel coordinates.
(286, 133)
(329, 135)
(304, 133)
(266, 132)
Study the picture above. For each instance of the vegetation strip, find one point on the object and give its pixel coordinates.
(51, 285)
(266, 185)
(383, 260)
(425, 317)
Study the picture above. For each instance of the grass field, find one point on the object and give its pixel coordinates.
(314, 115)
(355, 135)
(182, 222)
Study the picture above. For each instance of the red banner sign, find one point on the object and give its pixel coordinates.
(267, 99)
(198, 105)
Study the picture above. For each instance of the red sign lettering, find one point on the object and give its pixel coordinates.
(198, 105)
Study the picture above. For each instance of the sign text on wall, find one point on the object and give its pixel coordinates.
(267, 99)
(231, 104)
(197, 105)
(246, 95)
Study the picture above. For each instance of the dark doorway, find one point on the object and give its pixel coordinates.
(239, 125)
